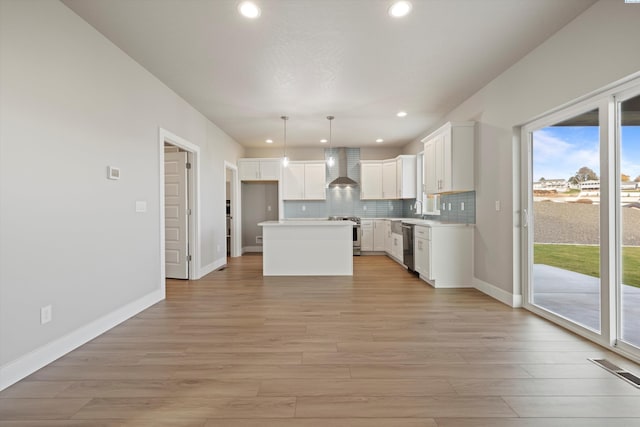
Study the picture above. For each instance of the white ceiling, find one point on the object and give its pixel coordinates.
(311, 58)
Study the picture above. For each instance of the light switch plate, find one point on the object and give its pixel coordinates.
(141, 206)
(45, 314)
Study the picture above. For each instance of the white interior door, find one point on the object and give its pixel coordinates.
(175, 214)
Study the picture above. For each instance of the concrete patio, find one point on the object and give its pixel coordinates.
(577, 297)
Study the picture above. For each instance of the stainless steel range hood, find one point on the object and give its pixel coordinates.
(342, 180)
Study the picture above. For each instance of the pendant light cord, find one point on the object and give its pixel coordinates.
(285, 160)
(330, 161)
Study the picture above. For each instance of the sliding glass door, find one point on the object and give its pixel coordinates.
(581, 217)
(565, 192)
(629, 221)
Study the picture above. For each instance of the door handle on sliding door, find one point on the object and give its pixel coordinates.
(525, 218)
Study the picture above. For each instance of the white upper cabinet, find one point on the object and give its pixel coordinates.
(293, 181)
(370, 179)
(448, 158)
(259, 169)
(304, 181)
(389, 187)
(388, 179)
(406, 177)
(315, 180)
(420, 181)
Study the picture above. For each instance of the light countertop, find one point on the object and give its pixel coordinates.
(432, 223)
(425, 222)
(305, 223)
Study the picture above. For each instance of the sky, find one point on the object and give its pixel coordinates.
(559, 151)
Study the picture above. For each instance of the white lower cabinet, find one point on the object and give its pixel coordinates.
(388, 238)
(443, 255)
(374, 235)
(421, 251)
(396, 249)
(379, 234)
(366, 240)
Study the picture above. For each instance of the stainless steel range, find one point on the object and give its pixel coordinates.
(357, 232)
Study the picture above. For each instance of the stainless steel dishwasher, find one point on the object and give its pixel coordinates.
(407, 246)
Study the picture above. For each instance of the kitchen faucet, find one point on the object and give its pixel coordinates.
(416, 208)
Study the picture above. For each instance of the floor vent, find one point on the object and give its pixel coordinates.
(618, 371)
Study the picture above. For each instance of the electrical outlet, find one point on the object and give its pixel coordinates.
(449, 206)
(497, 205)
(461, 206)
(269, 208)
(364, 208)
(46, 314)
(444, 208)
(304, 208)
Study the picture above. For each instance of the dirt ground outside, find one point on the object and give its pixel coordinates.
(578, 223)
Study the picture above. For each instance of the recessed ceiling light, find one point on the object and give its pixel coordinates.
(400, 9)
(402, 114)
(269, 141)
(324, 141)
(249, 9)
(379, 140)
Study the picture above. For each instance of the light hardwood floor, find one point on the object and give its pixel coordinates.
(381, 348)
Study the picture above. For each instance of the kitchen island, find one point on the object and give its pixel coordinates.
(307, 248)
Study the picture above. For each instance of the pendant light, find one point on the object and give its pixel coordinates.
(285, 159)
(330, 161)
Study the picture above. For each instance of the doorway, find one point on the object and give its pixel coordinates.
(179, 207)
(176, 212)
(259, 203)
(581, 217)
(232, 212)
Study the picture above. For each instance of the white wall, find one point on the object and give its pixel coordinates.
(597, 48)
(294, 153)
(317, 153)
(73, 103)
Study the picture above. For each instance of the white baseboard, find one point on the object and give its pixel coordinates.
(501, 295)
(16, 370)
(211, 267)
(444, 285)
(252, 249)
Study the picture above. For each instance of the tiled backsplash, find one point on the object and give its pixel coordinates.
(343, 201)
(455, 214)
(346, 201)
